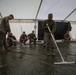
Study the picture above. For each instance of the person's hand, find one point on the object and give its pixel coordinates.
(47, 24)
(8, 32)
(49, 32)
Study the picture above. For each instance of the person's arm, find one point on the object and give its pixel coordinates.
(44, 26)
(26, 37)
(54, 27)
(14, 37)
(34, 36)
(7, 26)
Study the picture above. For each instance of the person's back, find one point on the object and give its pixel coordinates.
(4, 26)
(31, 36)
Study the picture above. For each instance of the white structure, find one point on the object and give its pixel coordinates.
(28, 12)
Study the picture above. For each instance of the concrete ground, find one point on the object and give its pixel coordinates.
(33, 60)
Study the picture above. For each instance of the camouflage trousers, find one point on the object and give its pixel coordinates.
(32, 40)
(49, 43)
(3, 40)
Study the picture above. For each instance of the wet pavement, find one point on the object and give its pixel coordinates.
(32, 60)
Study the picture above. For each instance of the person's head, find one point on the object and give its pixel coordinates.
(10, 17)
(32, 31)
(50, 16)
(23, 32)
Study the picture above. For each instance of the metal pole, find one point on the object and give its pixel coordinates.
(69, 14)
(21, 27)
(37, 14)
(38, 9)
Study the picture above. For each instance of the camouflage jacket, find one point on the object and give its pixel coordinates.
(51, 24)
(31, 36)
(4, 26)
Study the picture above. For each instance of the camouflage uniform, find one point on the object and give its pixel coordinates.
(11, 40)
(23, 38)
(69, 27)
(66, 35)
(32, 38)
(49, 44)
(4, 28)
